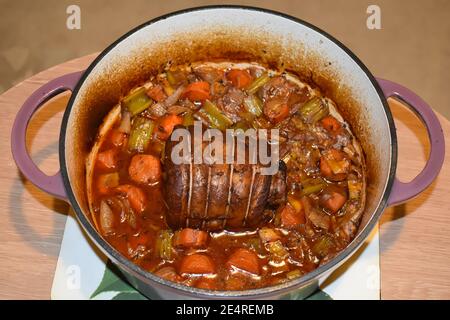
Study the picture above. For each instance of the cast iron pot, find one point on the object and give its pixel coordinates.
(230, 32)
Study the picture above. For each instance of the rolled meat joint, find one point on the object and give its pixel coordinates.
(215, 197)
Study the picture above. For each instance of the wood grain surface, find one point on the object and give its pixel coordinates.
(415, 237)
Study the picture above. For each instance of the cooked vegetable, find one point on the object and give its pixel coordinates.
(106, 218)
(334, 165)
(295, 203)
(171, 78)
(276, 110)
(277, 250)
(175, 77)
(156, 147)
(338, 166)
(255, 245)
(354, 189)
(137, 101)
(166, 124)
(314, 110)
(140, 135)
(118, 138)
(331, 124)
(164, 244)
(157, 110)
(188, 119)
(107, 159)
(197, 264)
(106, 182)
(322, 245)
(258, 83)
(157, 93)
(197, 91)
(215, 116)
(253, 105)
(174, 97)
(125, 123)
(268, 235)
(291, 218)
(245, 260)
(168, 89)
(145, 169)
(135, 196)
(310, 186)
(333, 198)
(138, 243)
(319, 219)
(313, 188)
(190, 238)
(239, 78)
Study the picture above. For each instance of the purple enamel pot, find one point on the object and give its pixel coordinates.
(243, 33)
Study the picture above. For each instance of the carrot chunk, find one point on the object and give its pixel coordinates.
(283, 113)
(107, 159)
(291, 218)
(166, 125)
(325, 169)
(331, 124)
(276, 110)
(197, 264)
(245, 260)
(334, 165)
(333, 199)
(157, 93)
(239, 78)
(145, 169)
(118, 138)
(197, 91)
(136, 197)
(106, 182)
(190, 238)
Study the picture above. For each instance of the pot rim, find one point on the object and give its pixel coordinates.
(279, 289)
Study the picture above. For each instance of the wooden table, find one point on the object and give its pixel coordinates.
(415, 237)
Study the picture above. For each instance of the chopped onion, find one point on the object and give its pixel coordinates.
(106, 218)
(125, 123)
(159, 109)
(174, 97)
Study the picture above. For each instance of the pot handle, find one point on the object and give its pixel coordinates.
(401, 191)
(50, 184)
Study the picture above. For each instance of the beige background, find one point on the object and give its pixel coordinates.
(412, 48)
